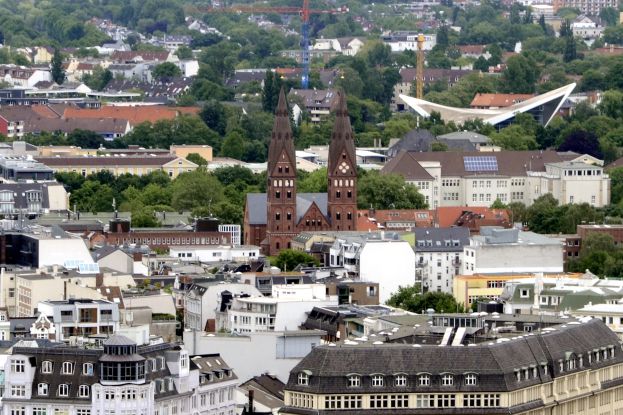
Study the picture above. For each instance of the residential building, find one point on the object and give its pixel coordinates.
(264, 391)
(285, 310)
(204, 300)
(454, 178)
(431, 76)
(210, 254)
(522, 375)
(393, 219)
(272, 351)
(540, 295)
(400, 41)
(591, 7)
(80, 317)
(348, 46)
(183, 150)
(318, 103)
(586, 28)
(469, 289)
(122, 377)
(615, 231)
(21, 76)
(610, 313)
(542, 107)
(118, 165)
(274, 218)
(381, 258)
(439, 254)
(24, 168)
(498, 250)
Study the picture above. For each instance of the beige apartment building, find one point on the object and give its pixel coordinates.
(120, 164)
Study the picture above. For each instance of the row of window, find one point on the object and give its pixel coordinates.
(43, 389)
(67, 368)
(397, 401)
(400, 380)
(44, 411)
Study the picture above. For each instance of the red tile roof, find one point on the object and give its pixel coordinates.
(370, 220)
(448, 215)
(135, 115)
(498, 100)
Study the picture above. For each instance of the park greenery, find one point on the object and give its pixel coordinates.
(413, 299)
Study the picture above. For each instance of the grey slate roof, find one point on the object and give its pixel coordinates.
(493, 363)
(437, 239)
(256, 205)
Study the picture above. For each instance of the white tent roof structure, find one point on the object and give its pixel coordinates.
(550, 101)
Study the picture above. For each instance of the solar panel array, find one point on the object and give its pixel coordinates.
(72, 263)
(85, 268)
(480, 163)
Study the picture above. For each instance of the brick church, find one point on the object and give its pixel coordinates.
(273, 218)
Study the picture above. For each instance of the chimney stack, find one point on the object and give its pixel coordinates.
(251, 410)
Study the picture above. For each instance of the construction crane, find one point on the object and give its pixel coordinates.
(419, 67)
(304, 12)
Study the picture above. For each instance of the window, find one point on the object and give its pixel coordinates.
(44, 411)
(470, 380)
(424, 380)
(18, 411)
(46, 366)
(87, 369)
(18, 366)
(401, 380)
(42, 389)
(68, 368)
(447, 380)
(18, 390)
(377, 380)
(354, 381)
(83, 391)
(63, 389)
(303, 379)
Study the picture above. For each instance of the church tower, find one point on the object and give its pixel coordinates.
(342, 172)
(281, 186)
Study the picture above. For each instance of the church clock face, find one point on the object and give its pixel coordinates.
(344, 167)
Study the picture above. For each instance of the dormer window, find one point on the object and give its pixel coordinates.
(87, 369)
(63, 390)
(424, 380)
(84, 391)
(470, 379)
(46, 366)
(42, 389)
(67, 368)
(447, 380)
(303, 379)
(354, 381)
(400, 380)
(377, 380)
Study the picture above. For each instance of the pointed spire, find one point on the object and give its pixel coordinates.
(341, 108)
(282, 106)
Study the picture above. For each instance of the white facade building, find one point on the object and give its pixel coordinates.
(80, 317)
(479, 179)
(220, 253)
(381, 258)
(498, 250)
(285, 310)
(203, 302)
(439, 254)
(401, 41)
(123, 378)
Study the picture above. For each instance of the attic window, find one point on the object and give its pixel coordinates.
(303, 379)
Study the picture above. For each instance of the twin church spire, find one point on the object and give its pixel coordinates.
(288, 214)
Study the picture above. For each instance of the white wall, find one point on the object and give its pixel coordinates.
(57, 251)
(235, 350)
(390, 263)
(512, 258)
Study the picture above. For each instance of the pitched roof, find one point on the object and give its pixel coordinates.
(446, 216)
(281, 139)
(142, 160)
(442, 239)
(509, 163)
(498, 100)
(98, 125)
(415, 140)
(342, 138)
(434, 74)
(135, 114)
(132, 56)
(257, 211)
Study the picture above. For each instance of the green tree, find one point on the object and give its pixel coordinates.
(166, 70)
(195, 189)
(387, 191)
(214, 115)
(184, 53)
(609, 15)
(411, 299)
(289, 259)
(93, 197)
(58, 73)
(520, 75)
(233, 146)
(439, 146)
(570, 52)
(616, 185)
(314, 182)
(197, 159)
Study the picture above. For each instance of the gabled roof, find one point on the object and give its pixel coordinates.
(415, 140)
(407, 166)
(498, 100)
(135, 115)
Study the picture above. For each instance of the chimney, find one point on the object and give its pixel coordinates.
(64, 290)
(99, 280)
(251, 392)
(137, 256)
